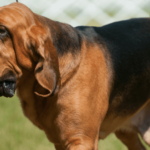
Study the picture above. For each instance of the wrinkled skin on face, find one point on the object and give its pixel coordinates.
(25, 49)
(8, 69)
(11, 54)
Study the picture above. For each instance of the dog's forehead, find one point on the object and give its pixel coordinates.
(15, 13)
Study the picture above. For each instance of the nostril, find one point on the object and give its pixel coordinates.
(5, 84)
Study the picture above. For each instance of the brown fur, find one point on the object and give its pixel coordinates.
(66, 95)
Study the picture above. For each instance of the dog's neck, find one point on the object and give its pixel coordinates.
(65, 38)
(67, 42)
(68, 46)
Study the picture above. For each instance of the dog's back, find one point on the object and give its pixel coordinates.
(127, 43)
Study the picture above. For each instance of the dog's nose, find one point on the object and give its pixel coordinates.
(8, 84)
(9, 88)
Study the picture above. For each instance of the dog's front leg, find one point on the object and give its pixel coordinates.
(78, 142)
(79, 121)
(82, 104)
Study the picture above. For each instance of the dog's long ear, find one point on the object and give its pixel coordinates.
(47, 69)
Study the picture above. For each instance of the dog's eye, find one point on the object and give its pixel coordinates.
(3, 32)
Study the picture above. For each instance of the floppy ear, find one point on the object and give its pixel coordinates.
(47, 68)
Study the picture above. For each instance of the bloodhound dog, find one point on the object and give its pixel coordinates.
(78, 84)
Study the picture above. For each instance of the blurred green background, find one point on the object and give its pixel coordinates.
(16, 131)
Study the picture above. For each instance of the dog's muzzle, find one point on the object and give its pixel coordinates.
(8, 86)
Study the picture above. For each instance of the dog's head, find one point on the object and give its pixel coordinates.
(25, 45)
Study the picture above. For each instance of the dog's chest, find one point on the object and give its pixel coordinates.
(27, 98)
(28, 105)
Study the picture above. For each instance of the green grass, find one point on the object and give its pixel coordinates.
(18, 133)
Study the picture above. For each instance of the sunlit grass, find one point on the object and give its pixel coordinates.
(18, 133)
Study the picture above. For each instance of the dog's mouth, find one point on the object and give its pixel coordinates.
(8, 86)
